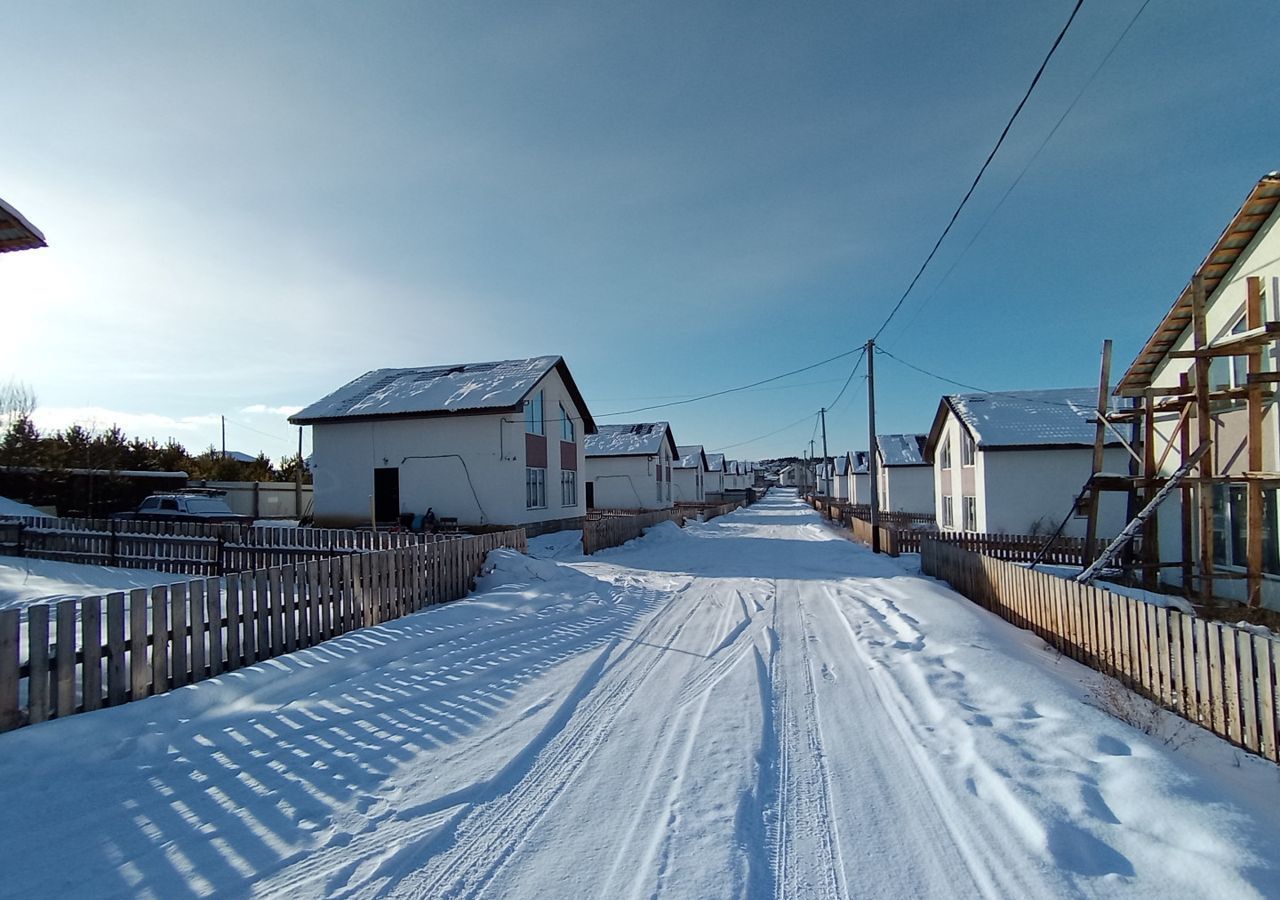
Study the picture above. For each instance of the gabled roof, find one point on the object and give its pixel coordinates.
(487, 387)
(1046, 419)
(715, 462)
(902, 449)
(691, 456)
(842, 465)
(640, 439)
(861, 460)
(1239, 233)
(16, 233)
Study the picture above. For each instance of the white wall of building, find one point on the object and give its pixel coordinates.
(687, 485)
(470, 467)
(1021, 488)
(631, 482)
(907, 489)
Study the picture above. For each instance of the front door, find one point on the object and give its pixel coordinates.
(386, 494)
(591, 495)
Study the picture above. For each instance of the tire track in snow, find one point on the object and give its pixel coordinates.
(477, 844)
(806, 853)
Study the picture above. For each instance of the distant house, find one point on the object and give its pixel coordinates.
(905, 477)
(1014, 462)
(840, 484)
(689, 472)
(629, 466)
(858, 477)
(1241, 269)
(485, 443)
(16, 233)
(715, 487)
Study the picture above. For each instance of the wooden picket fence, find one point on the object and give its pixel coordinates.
(84, 654)
(1218, 676)
(193, 548)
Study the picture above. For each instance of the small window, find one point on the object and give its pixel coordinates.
(533, 420)
(967, 449)
(945, 455)
(566, 426)
(970, 513)
(568, 488)
(535, 482)
(948, 513)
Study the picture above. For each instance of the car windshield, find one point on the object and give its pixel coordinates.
(208, 506)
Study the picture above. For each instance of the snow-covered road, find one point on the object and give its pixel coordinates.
(749, 708)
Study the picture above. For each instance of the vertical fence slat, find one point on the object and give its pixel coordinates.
(117, 684)
(1248, 692)
(1265, 668)
(199, 637)
(91, 648)
(1217, 705)
(288, 592)
(235, 630)
(139, 683)
(64, 661)
(38, 663)
(10, 632)
(213, 609)
(180, 659)
(159, 639)
(1231, 683)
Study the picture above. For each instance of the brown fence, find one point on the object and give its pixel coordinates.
(193, 548)
(616, 530)
(84, 654)
(1220, 677)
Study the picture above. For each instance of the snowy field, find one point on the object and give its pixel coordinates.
(753, 707)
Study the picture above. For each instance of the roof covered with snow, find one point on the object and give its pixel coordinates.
(842, 465)
(14, 508)
(16, 233)
(640, 439)
(902, 449)
(690, 456)
(715, 462)
(1051, 418)
(441, 390)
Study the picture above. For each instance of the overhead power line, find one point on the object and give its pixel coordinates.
(990, 156)
(975, 388)
(732, 390)
(799, 421)
(1030, 162)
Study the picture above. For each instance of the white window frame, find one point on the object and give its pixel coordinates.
(968, 450)
(535, 420)
(567, 431)
(945, 455)
(568, 488)
(969, 512)
(535, 488)
(948, 512)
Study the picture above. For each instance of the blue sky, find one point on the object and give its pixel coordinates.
(250, 204)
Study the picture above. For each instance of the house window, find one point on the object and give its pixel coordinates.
(1230, 529)
(566, 425)
(970, 513)
(658, 482)
(1228, 372)
(568, 488)
(948, 513)
(967, 449)
(533, 421)
(535, 488)
(945, 455)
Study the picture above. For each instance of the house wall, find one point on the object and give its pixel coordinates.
(840, 487)
(686, 485)
(860, 488)
(907, 489)
(630, 482)
(1023, 488)
(468, 467)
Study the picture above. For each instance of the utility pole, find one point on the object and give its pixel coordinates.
(815, 466)
(873, 474)
(825, 459)
(224, 437)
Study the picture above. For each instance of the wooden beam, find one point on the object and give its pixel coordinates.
(1253, 534)
(1233, 344)
(1205, 436)
(1183, 432)
(1099, 448)
(1150, 528)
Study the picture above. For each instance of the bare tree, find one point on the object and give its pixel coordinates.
(17, 401)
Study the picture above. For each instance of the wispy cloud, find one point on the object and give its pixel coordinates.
(132, 423)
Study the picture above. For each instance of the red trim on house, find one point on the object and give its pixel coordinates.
(535, 450)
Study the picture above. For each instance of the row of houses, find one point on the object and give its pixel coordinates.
(1200, 396)
(494, 444)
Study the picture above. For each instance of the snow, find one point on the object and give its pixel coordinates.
(1030, 418)
(642, 439)
(715, 462)
(471, 386)
(25, 581)
(14, 508)
(557, 545)
(691, 457)
(902, 449)
(751, 707)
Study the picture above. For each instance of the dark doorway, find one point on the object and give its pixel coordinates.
(591, 495)
(386, 494)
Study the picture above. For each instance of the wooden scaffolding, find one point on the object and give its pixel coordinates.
(1192, 406)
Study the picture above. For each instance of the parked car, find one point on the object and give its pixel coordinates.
(185, 507)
